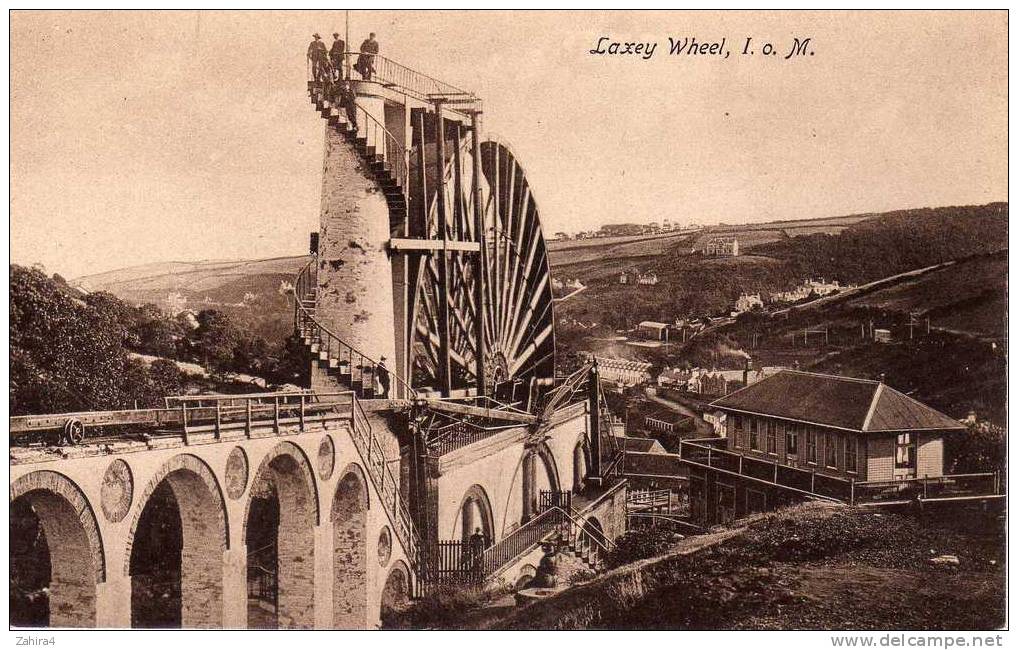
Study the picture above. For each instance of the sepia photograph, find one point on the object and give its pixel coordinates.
(425, 320)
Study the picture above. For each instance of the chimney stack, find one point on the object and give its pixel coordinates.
(883, 377)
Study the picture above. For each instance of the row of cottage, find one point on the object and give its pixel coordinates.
(626, 373)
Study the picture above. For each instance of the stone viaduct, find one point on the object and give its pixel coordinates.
(345, 549)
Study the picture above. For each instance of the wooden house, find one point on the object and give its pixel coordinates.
(840, 426)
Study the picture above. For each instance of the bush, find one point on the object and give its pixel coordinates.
(443, 608)
(641, 544)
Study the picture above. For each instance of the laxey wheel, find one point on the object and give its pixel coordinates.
(519, 338)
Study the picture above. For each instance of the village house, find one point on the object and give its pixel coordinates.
(839, 426)
(647, 278)
(747, 302)
(722, 382)
(809, 288)
(674, 378)
(622, 372)
(652, 330)
(721, 247)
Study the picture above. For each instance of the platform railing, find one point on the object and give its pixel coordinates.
(203, 416)
(931, 487)
(403, 79)
(811, 482)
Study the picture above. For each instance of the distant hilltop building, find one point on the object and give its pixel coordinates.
(647, 278)
(573, 284)
(635, 277)
(621, 229)
(721, 246)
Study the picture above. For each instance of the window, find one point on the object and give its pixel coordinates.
(831, 451)
(754, 437)
(904, 457)
(772, 437)
(792, 439)
(851, 447)
(811, 445)
(736, 429)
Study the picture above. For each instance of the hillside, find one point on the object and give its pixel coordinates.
(970, 296)
(219, 281)
(808, 567)
(894, 242)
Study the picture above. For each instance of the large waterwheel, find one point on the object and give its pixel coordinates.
(517, 343)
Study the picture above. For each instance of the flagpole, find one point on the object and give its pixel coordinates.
(346, 57)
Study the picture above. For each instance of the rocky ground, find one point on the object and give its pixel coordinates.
(808, 567)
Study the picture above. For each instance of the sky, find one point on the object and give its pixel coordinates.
(156, 136)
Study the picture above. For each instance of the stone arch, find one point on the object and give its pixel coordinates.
(298, 455)
(349, 515)
(396, 592)
(474, 512)
(77, 558)
(286, 477)
(204, 537)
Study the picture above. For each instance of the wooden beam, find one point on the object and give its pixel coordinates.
(479, 261)
(444, 335)
(401, 244)
(494, 414)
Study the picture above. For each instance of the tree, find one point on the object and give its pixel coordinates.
(65, 354)
(217, 338)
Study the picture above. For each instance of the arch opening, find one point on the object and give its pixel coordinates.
(176, 552)
(279, 533)
(350, 552)
(395, 594)
(56, 557)
(539, 475)
(476, 517)
(579, 467)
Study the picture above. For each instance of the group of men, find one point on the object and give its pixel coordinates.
(328, 64)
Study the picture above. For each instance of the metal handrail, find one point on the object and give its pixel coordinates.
(410, 82)
(374, 132)
(302, 316)
(519, 542)
(386, 486)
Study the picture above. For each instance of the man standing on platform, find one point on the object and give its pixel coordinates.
(317, 56)
(366, 60)
(336, 56)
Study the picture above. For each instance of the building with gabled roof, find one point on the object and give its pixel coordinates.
(852, 428)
